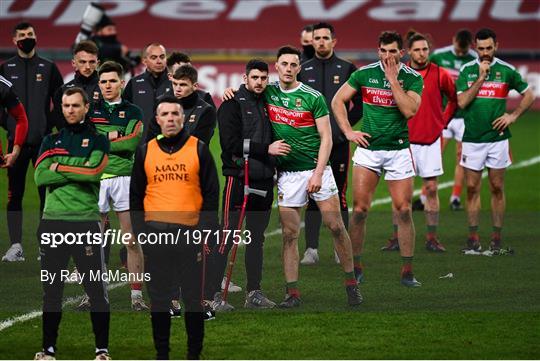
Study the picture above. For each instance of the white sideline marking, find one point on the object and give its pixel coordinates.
(34, 314)
(72, 300)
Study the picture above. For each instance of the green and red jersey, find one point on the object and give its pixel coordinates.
(490, 102)
(292, 114)
(447, 58)
(382, 118)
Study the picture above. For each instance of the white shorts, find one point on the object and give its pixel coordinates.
(396, 164)
(427, 159)
(292, 188)
(455, 129)
(494, 155)
(116, 190)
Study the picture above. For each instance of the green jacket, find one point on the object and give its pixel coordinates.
(126, 119)
(73, 187)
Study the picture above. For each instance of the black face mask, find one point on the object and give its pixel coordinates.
(309, 51)
(26, 45)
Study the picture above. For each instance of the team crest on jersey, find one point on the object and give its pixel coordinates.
(298, 102)
(498, 75)
(458, 63)
(280, 196)
(336, 79)
(39, 77)
(192, 118)
(85, 143)
(121, 114)
(464, 158)
(88, 251)
(96, 95)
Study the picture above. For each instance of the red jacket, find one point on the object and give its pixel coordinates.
(427, 125)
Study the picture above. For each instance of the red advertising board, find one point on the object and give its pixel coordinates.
(268, 24)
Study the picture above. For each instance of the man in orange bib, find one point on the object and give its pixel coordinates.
(174, 194)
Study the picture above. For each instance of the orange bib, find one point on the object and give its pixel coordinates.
(173, 191)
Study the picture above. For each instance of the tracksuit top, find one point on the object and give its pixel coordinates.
(73, 188)
(429, 121)
(327, 76)
(126, 119)
(10, 102)
(245, 117)
(143, 91)
(35, 81)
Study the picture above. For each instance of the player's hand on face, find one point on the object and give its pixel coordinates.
(484, 69)
(228, 93)
(279, 148)
(502, 122)
(391, 68)
(359, 138)
(315, 183)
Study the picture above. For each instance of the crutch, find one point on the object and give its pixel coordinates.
(247, 192)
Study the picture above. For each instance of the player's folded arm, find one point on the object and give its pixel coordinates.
(129, 141)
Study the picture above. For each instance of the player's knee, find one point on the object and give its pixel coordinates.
(431, 190)
(473, 190)
(359, 214)
(404, 213)
(289, 237)
(497, 190)
(337, 228)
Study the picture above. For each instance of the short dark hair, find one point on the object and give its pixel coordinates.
(111, 66)
(308, 28)
(463, 38)
(21, 26)
(76, 90)
(87, 46)
(168, 99)
(388, 37)
(484, 34)
(414, 36)
(257, 64)
(288, 49)
(186, 71)
(177, 57)
(323, 25)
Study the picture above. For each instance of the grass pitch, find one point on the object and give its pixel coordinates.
(488, 310)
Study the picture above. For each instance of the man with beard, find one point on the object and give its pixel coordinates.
(391, 93)
(35, 80)
(326, 73)
(425, 130)
(85, 61)
(482, 88)
(244, 118)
